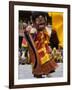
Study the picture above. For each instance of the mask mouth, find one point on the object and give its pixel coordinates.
(42, 25)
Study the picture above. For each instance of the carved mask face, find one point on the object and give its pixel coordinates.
(40, 22)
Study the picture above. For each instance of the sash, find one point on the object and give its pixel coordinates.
(31, 43)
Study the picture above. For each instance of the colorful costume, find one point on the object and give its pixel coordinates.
(44, 64)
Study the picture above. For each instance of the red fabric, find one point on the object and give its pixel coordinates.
(41, 54)
(24, 42)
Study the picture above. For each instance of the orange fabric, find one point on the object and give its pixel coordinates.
(41, 43)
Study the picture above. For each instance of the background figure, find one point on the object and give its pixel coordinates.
(24, 20)
(54, 41)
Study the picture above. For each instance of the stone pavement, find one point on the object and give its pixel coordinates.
(25, 71)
